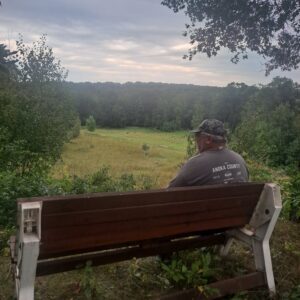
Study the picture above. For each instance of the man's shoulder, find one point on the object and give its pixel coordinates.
(234, 153)
(196, 157)
(211, 155)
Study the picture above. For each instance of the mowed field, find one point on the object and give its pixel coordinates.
(122, 151)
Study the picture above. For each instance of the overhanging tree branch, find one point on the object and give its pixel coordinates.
(270, 28)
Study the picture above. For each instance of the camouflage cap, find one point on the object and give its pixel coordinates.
(211, 126)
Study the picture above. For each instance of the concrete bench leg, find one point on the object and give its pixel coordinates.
(263, 262)
(28, 243)
(26, 269)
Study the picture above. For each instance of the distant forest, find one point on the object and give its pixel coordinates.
(263, 120)
(163, 106)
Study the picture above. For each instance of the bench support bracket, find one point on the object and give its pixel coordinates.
(257, 236)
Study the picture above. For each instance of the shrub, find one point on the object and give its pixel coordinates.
(89, 284)
(146, 148)
(90, 123)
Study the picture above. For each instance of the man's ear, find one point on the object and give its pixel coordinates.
(208, 140)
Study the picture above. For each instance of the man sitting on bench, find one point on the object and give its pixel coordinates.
(215, 163)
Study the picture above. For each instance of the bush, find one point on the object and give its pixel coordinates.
(187, 269)
(90, 123)
(146, 148)
(14, 186)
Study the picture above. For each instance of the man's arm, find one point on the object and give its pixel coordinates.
(178, 181)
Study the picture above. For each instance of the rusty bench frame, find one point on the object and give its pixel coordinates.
(33, 254)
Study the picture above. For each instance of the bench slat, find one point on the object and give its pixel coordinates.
(117, 200)
(143, 224)
(101, 217)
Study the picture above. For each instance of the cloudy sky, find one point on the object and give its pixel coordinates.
(123, 40)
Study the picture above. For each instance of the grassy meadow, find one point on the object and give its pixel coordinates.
(122, 150)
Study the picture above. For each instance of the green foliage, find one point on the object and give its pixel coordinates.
(169, 126)
(166, 107)
(294, 294)
(13, 186)
(100, 181)
(5, 234)
(38, 183)
(198, 115)
(190, 269)
(35, 111)
(293, 200)
(7, 65)
(191, 148)
(270, 129)
(37, 63)
(90, 123)
(75, 130)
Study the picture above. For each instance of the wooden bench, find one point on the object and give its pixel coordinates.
(58, 234)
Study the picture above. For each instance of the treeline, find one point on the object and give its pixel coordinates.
(166, 107)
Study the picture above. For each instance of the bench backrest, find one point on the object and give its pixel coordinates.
(91, 222)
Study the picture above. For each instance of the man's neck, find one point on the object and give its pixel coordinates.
(215, 147)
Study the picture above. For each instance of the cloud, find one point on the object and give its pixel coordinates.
(118, 40)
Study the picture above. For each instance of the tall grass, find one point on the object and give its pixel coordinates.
(122, 150)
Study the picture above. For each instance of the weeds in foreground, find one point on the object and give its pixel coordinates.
(192, 269)
(88, 284)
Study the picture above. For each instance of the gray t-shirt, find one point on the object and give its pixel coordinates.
(212, 167)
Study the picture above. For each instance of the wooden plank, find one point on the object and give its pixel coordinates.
(64, 219)
(149, 248)
(136, 234)
(111, 200)
(224, 288)
(144, 227)
(136, 226)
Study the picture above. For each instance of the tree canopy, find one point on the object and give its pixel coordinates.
(270, 28)
(7, 63)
